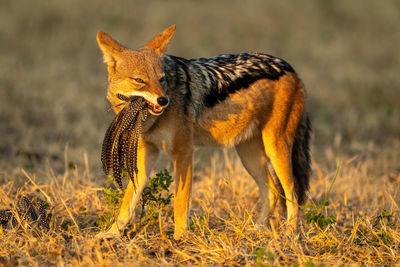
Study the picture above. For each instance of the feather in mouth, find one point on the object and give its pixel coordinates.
(154, 109)
(120, 144)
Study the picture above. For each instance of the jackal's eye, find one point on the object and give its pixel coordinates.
(138, 80)
(162, 79)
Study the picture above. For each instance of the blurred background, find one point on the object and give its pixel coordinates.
(53, 80)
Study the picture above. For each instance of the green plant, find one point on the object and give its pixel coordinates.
(260, 253)
(376, 234)
(384, 216)
(315, 211)
(315, 215)
(71, 165)
(112, 197)
(155, 196)
(311, 264)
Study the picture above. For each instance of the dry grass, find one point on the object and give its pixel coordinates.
(223, 226)
(52, 95)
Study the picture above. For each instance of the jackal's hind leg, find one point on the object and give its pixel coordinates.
(252, 155)
(276, 200)
(278, 151)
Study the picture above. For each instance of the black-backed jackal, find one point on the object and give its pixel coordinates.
(254, 102)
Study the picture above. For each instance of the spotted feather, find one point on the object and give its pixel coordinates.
(121, 140)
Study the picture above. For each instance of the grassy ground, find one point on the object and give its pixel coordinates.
(53, 116)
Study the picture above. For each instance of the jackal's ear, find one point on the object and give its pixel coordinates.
(161, 40)
(111, 49)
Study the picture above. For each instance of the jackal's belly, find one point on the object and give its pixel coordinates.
(224, 133)
(237, 118)
(232, 121)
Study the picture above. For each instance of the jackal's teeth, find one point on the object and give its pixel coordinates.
(154, 107)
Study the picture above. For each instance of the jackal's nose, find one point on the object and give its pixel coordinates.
(162, 101)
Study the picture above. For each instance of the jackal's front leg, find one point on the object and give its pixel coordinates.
(147, 155)
(183, 191)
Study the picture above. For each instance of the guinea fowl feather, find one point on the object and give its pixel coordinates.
(121, 140)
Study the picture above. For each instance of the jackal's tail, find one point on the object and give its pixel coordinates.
(301, 161)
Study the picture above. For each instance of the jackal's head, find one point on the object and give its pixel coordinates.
(136, 72)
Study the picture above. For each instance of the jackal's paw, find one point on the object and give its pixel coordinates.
(290, 228)
(111, 233)
(179, 235)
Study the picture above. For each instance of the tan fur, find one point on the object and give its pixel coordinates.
(260, 121)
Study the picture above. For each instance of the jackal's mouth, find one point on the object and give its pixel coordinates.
(154, 108)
